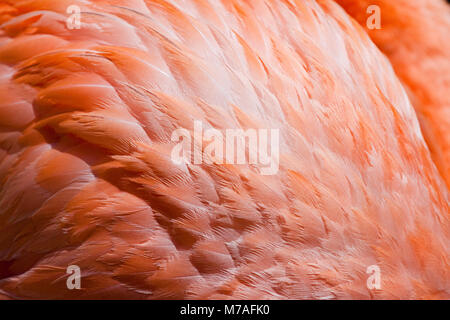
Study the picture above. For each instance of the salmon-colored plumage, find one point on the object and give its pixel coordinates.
(414, 35)
(87, 179)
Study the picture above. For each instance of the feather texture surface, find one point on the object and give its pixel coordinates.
(414, 36)
(86, 176)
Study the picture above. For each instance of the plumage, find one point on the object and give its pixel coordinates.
(87, 178)
(414, 36)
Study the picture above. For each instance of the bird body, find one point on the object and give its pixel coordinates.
(87, 179)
